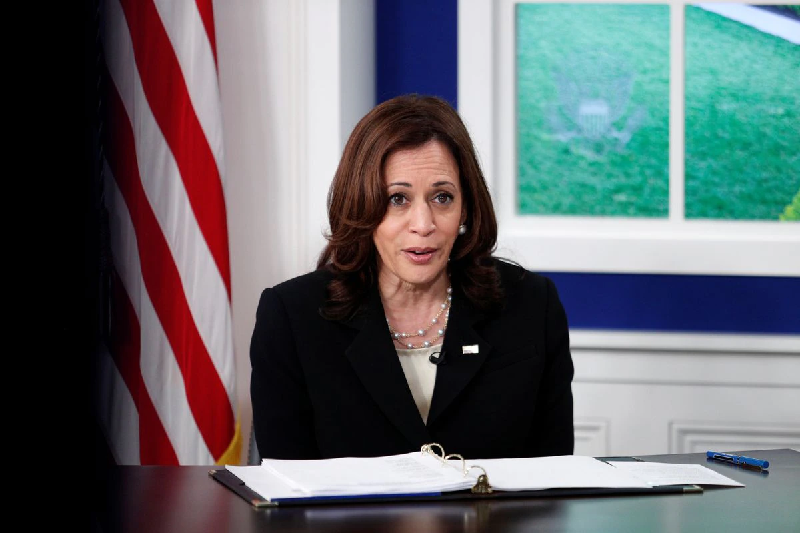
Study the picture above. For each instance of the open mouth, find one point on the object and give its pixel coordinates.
(419, 255)
(421, 251)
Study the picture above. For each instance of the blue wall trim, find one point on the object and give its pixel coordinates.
(673, 303)
(416, 48)
(417, 51)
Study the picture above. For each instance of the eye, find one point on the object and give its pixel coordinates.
(397, 199)
(443, 198)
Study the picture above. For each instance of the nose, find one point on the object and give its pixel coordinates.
(422, 220)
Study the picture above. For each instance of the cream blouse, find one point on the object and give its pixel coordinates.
(421, 375)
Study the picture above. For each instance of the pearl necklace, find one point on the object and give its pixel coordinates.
(401, 337)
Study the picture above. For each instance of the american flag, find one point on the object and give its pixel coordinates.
(166, 376)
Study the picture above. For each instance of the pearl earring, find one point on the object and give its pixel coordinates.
(462, 229)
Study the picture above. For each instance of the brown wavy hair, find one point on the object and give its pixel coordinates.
(357, 203)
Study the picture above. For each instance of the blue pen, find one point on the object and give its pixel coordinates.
(738, 459)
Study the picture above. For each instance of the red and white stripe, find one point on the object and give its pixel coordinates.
(168, 382)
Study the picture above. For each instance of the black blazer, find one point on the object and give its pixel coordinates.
(324, 388)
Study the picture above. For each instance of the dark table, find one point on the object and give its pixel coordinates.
(185, 498)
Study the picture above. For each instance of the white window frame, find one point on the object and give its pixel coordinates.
(673, 245)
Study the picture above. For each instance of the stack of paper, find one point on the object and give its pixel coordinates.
(410, 473)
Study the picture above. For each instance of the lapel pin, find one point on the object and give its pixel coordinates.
(471, 348)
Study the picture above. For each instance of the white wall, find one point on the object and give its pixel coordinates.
(295, 76)
(652, 393)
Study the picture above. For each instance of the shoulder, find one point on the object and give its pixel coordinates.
(302, 291)
(514, 278)
(526, 291)
(531, 300)
(311, 282)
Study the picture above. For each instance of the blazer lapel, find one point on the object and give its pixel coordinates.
(462, 359)
(375, 361)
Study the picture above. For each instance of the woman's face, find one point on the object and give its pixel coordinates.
(425, 208)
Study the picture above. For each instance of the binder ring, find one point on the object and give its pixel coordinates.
(481, 486)
(428, 449)
(463, 462)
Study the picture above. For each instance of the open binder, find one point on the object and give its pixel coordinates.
(265, 486)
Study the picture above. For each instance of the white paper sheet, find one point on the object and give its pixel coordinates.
(567, 471)
(265, 484)
(657, 474)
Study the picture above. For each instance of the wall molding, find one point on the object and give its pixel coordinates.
(686, 369)
(296, 183)
(700, 436)
(701, 360)
(591, 436)
(337, 38)
(706, 343)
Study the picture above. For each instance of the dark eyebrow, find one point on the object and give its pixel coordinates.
(406, 184)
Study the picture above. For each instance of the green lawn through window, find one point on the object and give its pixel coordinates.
(593, 109)
(592, 93)
(742, 120)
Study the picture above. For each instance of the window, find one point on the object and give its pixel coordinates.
(637, 137)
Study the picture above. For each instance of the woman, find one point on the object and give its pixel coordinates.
(410, 332)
